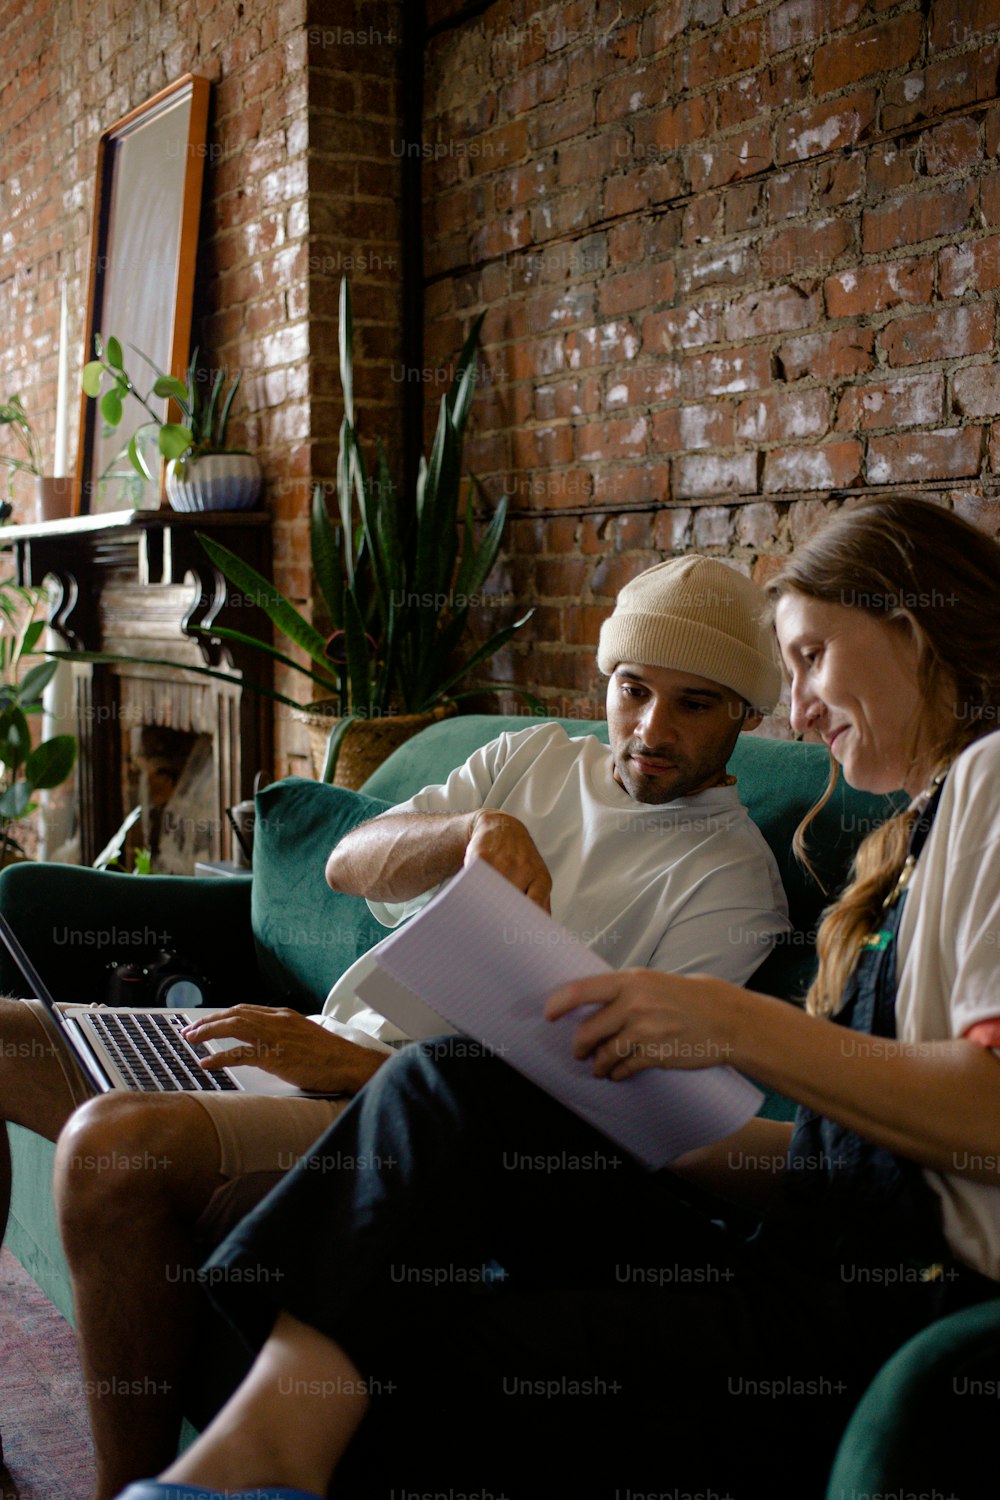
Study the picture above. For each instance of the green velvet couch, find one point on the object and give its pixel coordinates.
(282, 937)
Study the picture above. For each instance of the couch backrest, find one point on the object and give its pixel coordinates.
(307, 935)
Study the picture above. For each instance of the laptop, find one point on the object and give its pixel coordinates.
(141, 1050)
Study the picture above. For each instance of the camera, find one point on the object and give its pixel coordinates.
(168, 979)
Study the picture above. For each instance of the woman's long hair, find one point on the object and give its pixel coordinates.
(902, 558)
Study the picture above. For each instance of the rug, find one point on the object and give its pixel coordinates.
(43, 1411)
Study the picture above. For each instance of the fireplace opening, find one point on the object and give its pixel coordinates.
(171, 774)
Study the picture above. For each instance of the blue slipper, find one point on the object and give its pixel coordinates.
(158, 1489)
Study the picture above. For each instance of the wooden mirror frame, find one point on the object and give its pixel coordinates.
(183, 106)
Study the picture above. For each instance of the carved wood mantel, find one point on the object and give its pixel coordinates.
(139, 583)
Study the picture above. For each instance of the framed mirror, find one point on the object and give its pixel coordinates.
(143, 250)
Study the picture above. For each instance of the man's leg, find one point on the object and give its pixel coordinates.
(133, 1173)
(143, 1183)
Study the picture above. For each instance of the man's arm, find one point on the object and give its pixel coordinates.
(400, 855)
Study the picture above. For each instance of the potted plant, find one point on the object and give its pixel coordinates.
(24, 768)
(397, 584)
(202, 472)
(14, 417)
(398, 580)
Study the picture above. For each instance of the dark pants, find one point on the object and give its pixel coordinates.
(537, 1315)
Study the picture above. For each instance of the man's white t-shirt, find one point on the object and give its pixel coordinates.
(947, 975)
(685, 886)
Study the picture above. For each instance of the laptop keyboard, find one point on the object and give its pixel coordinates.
(152, 1054)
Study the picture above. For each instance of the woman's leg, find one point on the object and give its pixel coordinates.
(290, 1421)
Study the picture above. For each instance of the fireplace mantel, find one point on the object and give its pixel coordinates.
(139, 583)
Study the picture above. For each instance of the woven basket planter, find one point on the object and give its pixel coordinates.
(366, 744)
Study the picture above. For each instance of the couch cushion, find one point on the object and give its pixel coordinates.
(305, 934)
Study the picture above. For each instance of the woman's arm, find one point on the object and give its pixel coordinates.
(935, 1102)
(745, 1167)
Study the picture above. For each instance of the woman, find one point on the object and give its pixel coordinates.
(602, 1326)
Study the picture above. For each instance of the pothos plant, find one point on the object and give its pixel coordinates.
(205, 414)
(25, 768)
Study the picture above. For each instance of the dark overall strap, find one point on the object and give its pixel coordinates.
(847, 1204)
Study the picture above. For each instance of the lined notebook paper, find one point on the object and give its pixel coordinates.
(483, 959)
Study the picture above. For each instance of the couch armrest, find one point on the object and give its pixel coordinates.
(73, 922)
(926, 1423)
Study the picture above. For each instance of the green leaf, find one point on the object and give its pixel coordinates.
(277, 608)
(111, 407)
(137, 458)
(114, 353)
(51, 762)
(334, 740)
(485, 559)
(463, 387)
(93, 373)
(116, 843)
(222, 632)
(358, 660)
(326, 557)
(15, 736)
(220, 436)
(173, 440)
(31, 635)
(488, 649)
(169, 385)
(34, 683)
(346, 345)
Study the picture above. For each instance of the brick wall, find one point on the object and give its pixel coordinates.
(739, 262)
(288, 151)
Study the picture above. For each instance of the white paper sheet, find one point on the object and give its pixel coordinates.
(484, 958)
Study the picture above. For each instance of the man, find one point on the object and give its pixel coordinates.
(643, 848)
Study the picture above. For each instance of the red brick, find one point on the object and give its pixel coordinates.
(686, 327)
(637, 289)
(776, 417)
(922, 216)
(646, 386)
(642, 87)
(872, 289)
(798, 22)
(817, 244)
(675, 125)
(757, 525)
(912, 457)
(949, 333)
(561, 577)
(648, 483)
(710, 475)
(980, 510)
(564, 398)
(560, 309)
(911, 401)
(743, 207)
(951, 83)
(535, 85)
(990, 198)
(623, 438)
(672, 532)
(684, 429)
(956, 21)
(544, 447)
(725, 374)
(609, 343)
(788, 194)
(827, 466)
(828, 356)
(993, 132)
(892, 165)
(713, 527)
(772, 311)
(717, 265)
(884, 48)
(711, 58)
(826, 127)
(952, 147)
(739, 155)
(630, 192)
(975, 391)
(972, 267)
(701, 220)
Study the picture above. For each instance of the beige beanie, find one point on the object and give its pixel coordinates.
(697, 615)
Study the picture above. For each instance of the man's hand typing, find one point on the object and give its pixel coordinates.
(289, 1045)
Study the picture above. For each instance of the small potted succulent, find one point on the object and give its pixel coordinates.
(202, 472)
